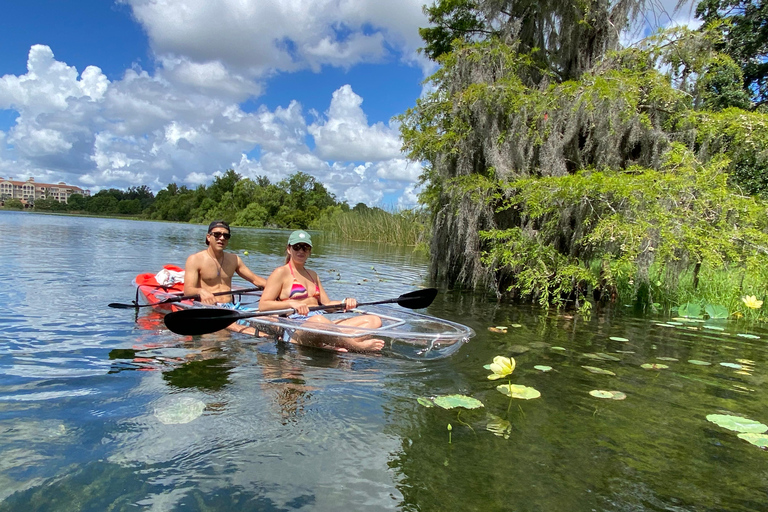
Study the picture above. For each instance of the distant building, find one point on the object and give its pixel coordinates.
(28, 191)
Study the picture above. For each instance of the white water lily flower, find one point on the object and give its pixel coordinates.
(751, 302)
(501, 367)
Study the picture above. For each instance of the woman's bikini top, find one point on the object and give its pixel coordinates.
(298, 290)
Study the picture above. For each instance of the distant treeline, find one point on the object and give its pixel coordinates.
(299, 201)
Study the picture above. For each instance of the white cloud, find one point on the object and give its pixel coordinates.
(345, 134)
(258, 37)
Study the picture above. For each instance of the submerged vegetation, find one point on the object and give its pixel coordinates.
(570, 173)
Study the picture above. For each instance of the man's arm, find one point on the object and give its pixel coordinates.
(246, 273)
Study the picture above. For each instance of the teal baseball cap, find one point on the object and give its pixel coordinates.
(300, 237)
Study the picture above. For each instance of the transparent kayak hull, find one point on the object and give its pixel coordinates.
(405, 333)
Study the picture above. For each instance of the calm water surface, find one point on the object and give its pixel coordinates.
(87, 396)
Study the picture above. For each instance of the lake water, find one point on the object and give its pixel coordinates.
(87, 394)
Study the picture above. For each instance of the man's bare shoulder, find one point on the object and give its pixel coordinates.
(196, 259)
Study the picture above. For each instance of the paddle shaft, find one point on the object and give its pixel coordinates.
(179, 298)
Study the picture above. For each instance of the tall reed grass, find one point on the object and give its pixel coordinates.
(403, 227)
(716, 285)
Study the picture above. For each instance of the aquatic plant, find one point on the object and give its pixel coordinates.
(501, 367)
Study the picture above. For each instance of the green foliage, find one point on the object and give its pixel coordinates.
(50, 205)
(743, 26)
(617, 184)
(13, 204)
(76, 202)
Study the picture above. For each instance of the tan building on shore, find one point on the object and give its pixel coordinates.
(28, 191)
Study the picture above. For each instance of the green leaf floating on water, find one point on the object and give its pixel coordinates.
(737, 423)
(749, 336)
(716, 311)
(618, 338)
(735, 366)
(653, 366)
(597, 370)
(543, 367)
(699, 363)
(518, 391)
(613, 395)
(558, 348)
(181, 410)
(453, 401)
(760, 440)
(689, 310)
(426, 402)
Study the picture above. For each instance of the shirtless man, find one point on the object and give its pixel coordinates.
(210, 271)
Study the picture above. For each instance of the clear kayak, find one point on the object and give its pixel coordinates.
(405, 333)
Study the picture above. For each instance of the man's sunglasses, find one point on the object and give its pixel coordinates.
(217, 235)
(301, 247)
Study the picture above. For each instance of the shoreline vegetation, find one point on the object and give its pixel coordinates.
(571, 175)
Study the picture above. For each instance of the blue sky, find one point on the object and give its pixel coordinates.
(121, 93)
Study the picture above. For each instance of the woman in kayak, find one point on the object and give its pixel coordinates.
(295, 286)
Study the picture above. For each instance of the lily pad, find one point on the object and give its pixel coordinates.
(453, 401)
(749, 336)
(689, 310)
(181, 410)
(613, 395)
(543, 367)
(759, 440)
(558, 348)
(737, 423)
(653, 366)
(666, 325)
(516, 326)
(519, 391)
(618, 338)
(713, 327)
(625, 351)
(699, 363)
(716, 311)
(664, 358)
(426, 402)
(735, 366)
(597, 370)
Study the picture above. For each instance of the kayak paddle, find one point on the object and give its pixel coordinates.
(192, 322)
(180, 298)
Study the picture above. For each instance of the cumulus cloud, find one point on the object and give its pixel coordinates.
(258, 37)
(346, 135)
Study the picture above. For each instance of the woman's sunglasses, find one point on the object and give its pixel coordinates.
(301, 247)
(217, 235)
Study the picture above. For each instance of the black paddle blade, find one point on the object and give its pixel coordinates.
(418, 299)
(191, 322)
(123, 306)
